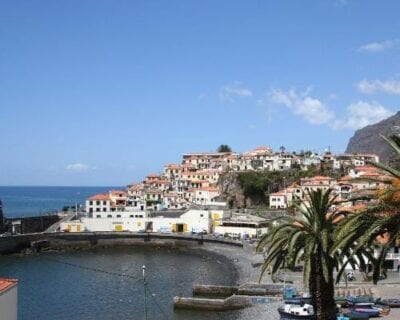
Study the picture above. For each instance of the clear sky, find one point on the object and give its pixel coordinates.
(99, 92)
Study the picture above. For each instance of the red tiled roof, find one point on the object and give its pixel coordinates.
(6, 284)
(210, 189)
(100, 196)
(278, 194)
(319, 178)
(118, 192)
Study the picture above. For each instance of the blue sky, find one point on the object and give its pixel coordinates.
(104, 92)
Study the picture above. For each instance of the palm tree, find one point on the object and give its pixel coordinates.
(308, 238)
(379, 223)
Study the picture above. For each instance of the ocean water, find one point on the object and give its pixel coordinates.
(32, 201)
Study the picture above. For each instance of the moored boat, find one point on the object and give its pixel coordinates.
(369, 310)
(393, 303)
(354, 315)
(293, 311)
(353, 300)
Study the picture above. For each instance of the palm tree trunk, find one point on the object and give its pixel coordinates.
(322, 292)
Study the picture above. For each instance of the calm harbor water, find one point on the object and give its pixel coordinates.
(50, 287)
(32, 201)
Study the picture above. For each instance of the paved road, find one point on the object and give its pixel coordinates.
(54, 227)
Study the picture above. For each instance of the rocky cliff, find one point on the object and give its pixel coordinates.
(250, 189)
(368, 139)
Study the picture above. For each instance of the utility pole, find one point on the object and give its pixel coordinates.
(145, 291)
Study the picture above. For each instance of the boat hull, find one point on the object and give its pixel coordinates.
(294, 316)
(356, 315)
(369, 311)
(393, 303)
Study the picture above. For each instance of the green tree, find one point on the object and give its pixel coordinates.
(308, 238)
(379, 223)
(224, 148)
(255, 186)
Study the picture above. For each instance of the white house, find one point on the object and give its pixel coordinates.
(98, 203)
(8, 299)
(205, 195)
(278, 200)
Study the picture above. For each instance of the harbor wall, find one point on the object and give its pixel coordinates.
(28, 225)
(17, 243)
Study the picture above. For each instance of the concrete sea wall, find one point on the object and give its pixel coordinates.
(17, 243)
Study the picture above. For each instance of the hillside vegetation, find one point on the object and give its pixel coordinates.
(251, 189)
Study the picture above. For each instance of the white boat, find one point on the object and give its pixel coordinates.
(293, 311)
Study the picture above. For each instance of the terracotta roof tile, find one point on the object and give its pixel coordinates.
(6, 284)
(100, 196)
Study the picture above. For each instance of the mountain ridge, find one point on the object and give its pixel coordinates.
(369, 140)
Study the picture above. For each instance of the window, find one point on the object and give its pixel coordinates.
(131, 216)
(118, 216)
(104, 209)
(97, 209)
(98, 216)
(90, 202)
(104, 202)
(98, 203)
(109, 216)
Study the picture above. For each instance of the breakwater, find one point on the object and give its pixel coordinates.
(59, 240)
(28, 225)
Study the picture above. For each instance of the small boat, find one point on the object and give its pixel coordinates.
(369, 310)
(353, 300)
(294, 311)
(354, 315)
(393, 303)
(342, 317)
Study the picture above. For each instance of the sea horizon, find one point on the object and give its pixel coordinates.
(28, 201)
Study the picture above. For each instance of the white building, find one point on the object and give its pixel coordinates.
(278, 200)
(136, 221)
(205, 195)
(98, 203)
(241, 226)
(8, 299)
